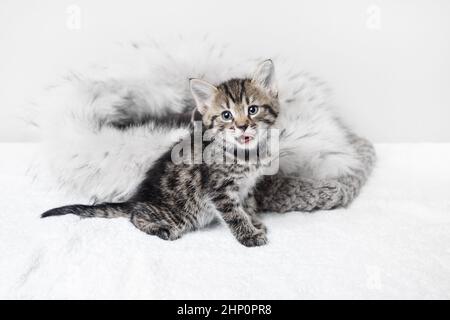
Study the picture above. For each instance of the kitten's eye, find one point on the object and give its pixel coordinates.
(227, 116)
(252, 110)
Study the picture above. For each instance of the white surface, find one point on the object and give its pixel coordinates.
(387, 61)
(393, 242)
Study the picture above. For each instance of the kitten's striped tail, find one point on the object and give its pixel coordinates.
(104, 210)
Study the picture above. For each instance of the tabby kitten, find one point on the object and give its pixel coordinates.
(175, 197)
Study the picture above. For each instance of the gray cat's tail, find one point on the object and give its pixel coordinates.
(351, 184)
(104, 210)
(286, 193)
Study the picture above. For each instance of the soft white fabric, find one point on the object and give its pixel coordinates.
(393, 242)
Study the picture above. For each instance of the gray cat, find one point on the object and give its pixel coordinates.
(175, 198)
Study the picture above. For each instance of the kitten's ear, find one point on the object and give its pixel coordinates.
(203, 93)
(264, 77)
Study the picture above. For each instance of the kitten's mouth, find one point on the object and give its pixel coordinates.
(245, 139)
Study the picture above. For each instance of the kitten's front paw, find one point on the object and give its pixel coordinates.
(162, 233)
(257, 239)
(167, 233)
(260, 226)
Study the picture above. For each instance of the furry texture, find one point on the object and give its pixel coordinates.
(302, 194)
(323, 165)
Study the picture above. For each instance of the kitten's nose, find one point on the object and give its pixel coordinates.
(243, 127)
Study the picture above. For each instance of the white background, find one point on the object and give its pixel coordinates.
(388, 62)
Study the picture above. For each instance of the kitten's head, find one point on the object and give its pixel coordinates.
(241, 110)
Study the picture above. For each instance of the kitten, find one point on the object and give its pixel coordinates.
(175, 198)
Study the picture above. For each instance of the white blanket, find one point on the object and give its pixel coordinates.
(392, 242)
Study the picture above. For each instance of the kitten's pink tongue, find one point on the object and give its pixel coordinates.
(245, 139)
